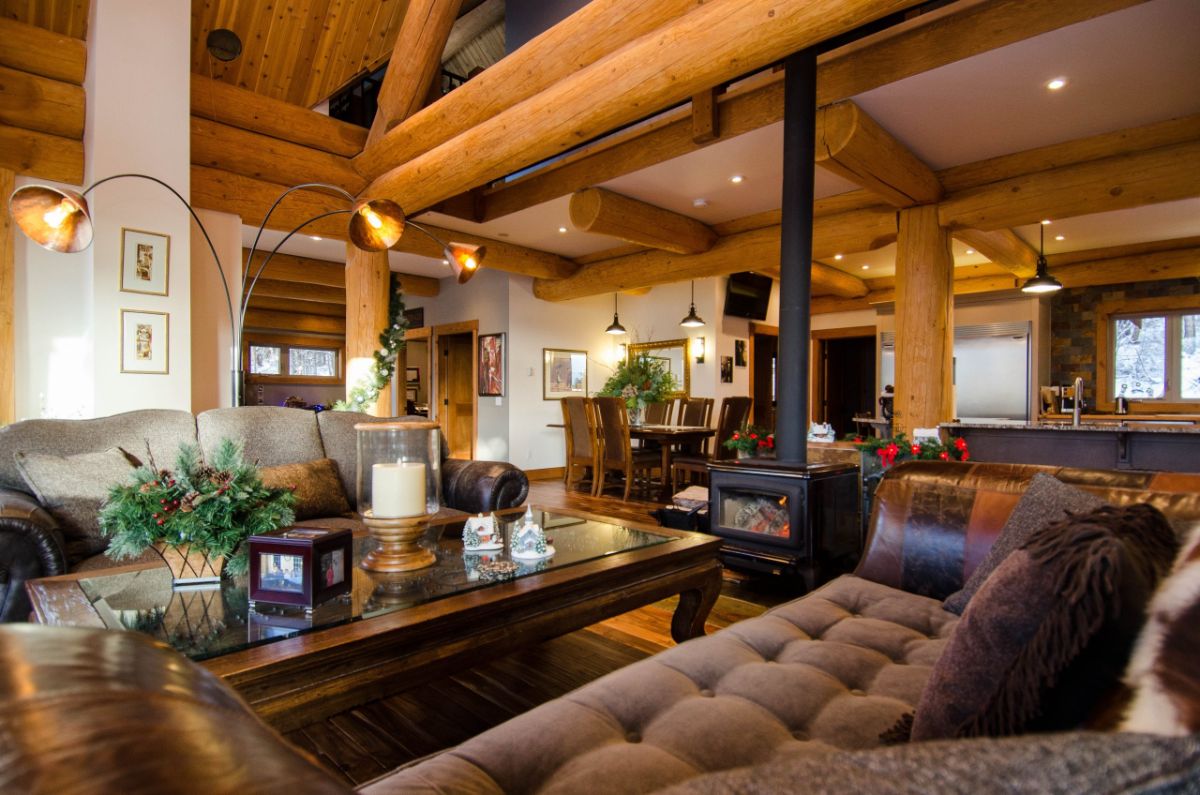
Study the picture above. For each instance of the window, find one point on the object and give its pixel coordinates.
(1153, 351)
(264, 360)
(279, 359)
(312, 361)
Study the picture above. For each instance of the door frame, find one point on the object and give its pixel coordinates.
(435, 401)
(414, 334)
(756, 329)
(816, 408)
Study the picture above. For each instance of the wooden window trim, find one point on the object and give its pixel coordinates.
(286, 342)
(1105, 312)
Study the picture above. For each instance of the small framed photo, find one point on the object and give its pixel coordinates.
(412, 375)
(564, 374)
(145, 262)
(726, 369)
(739, 353)
(144, 342)
(300, 566)
(410, 394)
(491, 365)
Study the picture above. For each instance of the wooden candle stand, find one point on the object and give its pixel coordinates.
(398, 544)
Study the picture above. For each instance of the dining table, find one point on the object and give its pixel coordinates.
(668, 438)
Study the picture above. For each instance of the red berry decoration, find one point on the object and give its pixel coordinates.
(944, 455)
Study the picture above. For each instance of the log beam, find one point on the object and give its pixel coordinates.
(471, 26)
(316, 308)
(603, 212)
(221, 102)
(718, 41)
(288, 321)
(38, 154)
(416, 58)
(42, 52)
(706, 122)
(828, 280)
(40, 103)
(8, 358)
(300, 291)
(1183, 263)
(1003, 247)
(852, 144)
(367, 291)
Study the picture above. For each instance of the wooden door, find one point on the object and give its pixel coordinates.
(456, 392)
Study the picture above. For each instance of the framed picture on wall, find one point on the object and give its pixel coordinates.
(564, 373)
(144, 341)
(491, 365)
(145, 262)
(412, 375)
(726, 369)
(739, 353)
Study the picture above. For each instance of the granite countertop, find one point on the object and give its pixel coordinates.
(1130, 426)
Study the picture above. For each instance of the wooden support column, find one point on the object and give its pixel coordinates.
(367, 285)
(8, 358)
(924, 322)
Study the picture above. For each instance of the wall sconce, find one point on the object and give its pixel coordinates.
(622, 352)
(698, 346)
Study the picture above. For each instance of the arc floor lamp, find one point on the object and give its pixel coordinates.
(58, 219)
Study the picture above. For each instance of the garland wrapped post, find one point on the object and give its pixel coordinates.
(391, 341)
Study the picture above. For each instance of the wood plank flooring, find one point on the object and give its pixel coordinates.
(370, 740)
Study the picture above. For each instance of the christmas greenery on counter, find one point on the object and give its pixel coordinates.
(899, 448)
(213, 506)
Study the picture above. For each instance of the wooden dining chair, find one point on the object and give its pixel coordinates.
(579, 417)
(735, 412)
(695, 412)
(658, 413)
(616, 451)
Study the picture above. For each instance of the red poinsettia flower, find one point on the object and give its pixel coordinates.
(736, 436)
(960, 443)
(762, 442)
(754, 436)
(944, 455)
(915, 449)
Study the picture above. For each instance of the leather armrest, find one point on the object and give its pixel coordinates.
(30, 547)
(482, 486)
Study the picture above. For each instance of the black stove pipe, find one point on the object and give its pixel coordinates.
(795, 256)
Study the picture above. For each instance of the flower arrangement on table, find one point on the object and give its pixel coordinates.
(751, 440)
(212, 507)
(899, 448)
(640, 380)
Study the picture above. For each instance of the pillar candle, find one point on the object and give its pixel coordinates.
(398, 490)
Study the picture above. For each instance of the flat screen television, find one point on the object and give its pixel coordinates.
(747, 295)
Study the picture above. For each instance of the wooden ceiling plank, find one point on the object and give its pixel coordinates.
(299, 291)
(42, 52)
(1003, 247)
(40, 103)
(287, 321)
(312, 27)
(1120, 182)
(416, 58)
(36, 154)
(604, 212)
(852, 144)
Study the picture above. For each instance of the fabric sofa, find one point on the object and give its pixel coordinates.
(800, 698)
(37, 539)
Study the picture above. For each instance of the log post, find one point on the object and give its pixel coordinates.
(8, 361)
(924, 322)
(367, 286)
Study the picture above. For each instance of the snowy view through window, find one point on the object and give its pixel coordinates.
(263, 360)
(1141, 357)
(311, 361)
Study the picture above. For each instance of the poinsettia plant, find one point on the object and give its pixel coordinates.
(899, 448)
(752, 439)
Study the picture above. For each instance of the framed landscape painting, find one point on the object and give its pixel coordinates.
(144, 342)
(491, 365)
(145, 262)
(564, 373)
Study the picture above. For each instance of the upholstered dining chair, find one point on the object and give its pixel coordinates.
(735, 412)
(579, 417)
(616, 451)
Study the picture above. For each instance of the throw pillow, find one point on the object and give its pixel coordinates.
(1164, 672)
(1047, 499)
(72, 488)
(1050, 631)
(318, 489)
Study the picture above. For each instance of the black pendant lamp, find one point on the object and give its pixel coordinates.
(1042, 282)
(692, 320)
(616, 329)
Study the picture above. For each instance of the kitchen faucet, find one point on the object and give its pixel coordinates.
(1078, 402)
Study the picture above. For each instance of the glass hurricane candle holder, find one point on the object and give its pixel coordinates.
(399, 488)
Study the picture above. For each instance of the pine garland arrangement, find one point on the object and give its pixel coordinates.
(391, 341)
(213, 506)
(899, 448)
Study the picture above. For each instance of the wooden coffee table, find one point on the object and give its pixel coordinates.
(399, 630)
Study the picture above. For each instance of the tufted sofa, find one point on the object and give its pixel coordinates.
(33, 544)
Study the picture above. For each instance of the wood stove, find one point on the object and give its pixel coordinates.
(785, 518)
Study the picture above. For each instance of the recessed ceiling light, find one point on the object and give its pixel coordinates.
(970, 251)
(1059, 237)
(737, 179)
(1056, 83)
(866, 267)
(314, 237)
(445, 262)
(1045, 222)
(837, 256)
(562, 230)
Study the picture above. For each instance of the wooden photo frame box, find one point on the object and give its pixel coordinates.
(300, 566)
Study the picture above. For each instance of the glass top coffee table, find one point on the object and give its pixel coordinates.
(393, 629)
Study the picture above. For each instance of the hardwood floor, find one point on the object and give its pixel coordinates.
(368, 741)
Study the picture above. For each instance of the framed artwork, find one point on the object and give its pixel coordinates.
(145, 262)
(491, 365)
(415, 317)
(564, 373)
(412, 375)
(726, 369)
(739, 353)
(144, 341)
(410, 394)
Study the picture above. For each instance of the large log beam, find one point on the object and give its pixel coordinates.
(288, 321)
(852, 144)
(416, 58)
(1003, 247)
(471, 26)
(827, 280)
(840, 75)
(42, 52)
(316, 308)
(1113, 183)
(307, 279)
(717, 42)
(603, 212)
(216, 145)
(1183, 263)
(239, 107)
(41, 104)
(37, 154)
(300, 291)
(860, 230)
(884, 295)
(589, 34)
(214, 189)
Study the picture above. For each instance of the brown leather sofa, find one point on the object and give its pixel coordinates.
(804, 689)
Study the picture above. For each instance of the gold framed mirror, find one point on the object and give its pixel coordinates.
(674, 355)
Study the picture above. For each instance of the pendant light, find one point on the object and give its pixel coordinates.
(692, 320)
(616, 329)
(1042, 282)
